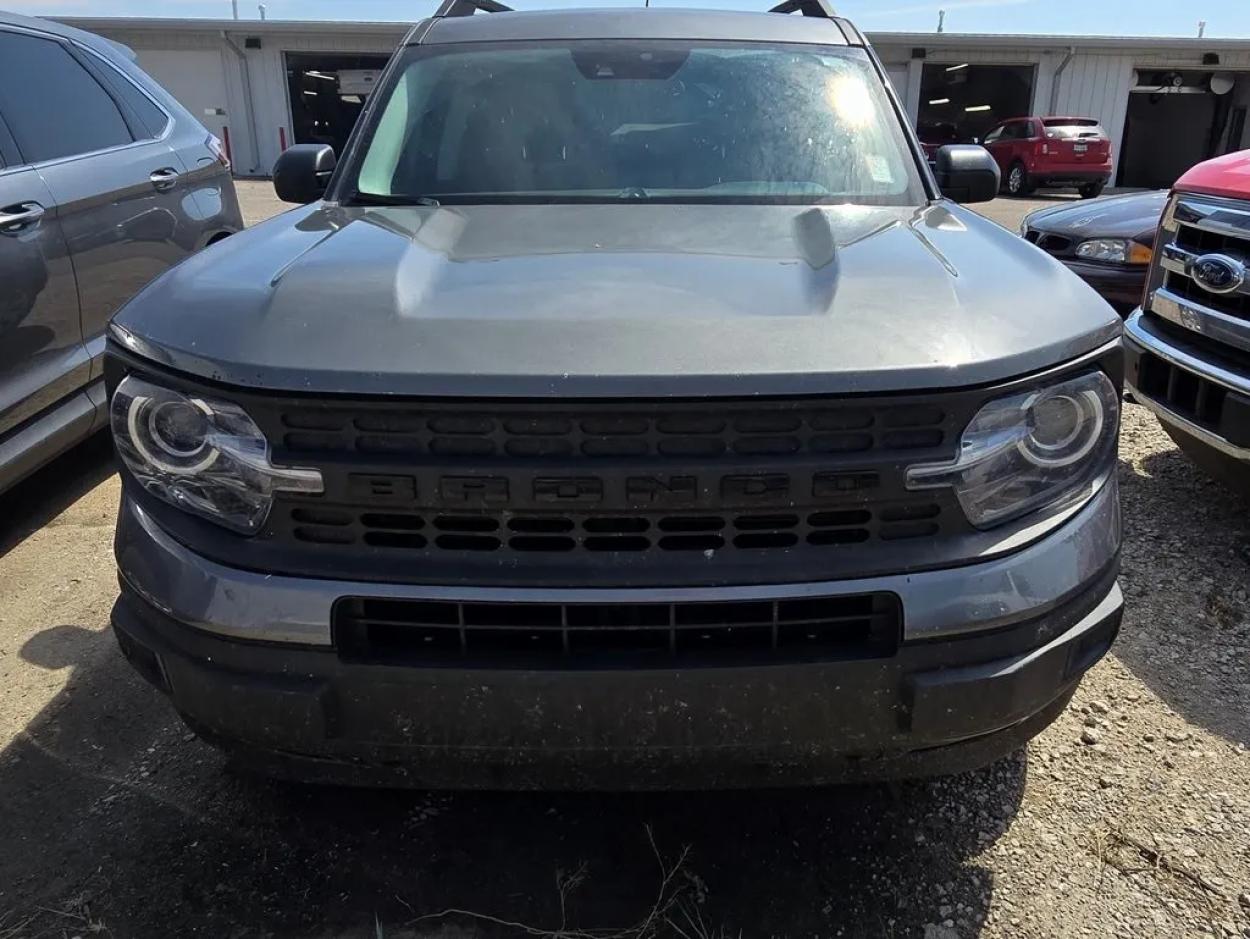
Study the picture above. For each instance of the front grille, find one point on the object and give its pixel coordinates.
(1052, 244)
(435, 632)
(560, 533)
(1195, 226)
(612, 493)
(1182, 286)
(829, 503)
(669, 433)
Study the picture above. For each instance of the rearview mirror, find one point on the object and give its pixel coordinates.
(303, 172)
(967, 173)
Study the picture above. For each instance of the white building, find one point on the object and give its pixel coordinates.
(1166, 103)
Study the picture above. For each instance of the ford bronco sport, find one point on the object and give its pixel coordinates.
(1189, 344)
(628, 407)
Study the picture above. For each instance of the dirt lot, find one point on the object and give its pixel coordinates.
(1128, 818)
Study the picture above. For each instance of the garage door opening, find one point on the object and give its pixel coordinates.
(328, 93)
(1176, 119)
(959, 102)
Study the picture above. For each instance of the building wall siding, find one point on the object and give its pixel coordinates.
(1098, 86)
(1095, 83)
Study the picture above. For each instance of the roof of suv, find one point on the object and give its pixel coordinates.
(106, 47)
(639, 23)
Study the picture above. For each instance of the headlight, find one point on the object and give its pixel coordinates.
(1049, 447)
(1024, 227)
(204, 456)
(1114, 250)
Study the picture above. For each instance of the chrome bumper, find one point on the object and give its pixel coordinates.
(957, 601)
(1138, 333)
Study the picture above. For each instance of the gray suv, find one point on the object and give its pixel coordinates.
(105, 182)
(628, 407)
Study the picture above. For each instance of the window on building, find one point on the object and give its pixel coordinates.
(977, 98)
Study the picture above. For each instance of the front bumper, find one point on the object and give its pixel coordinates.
(1202, 400)
(990, 654)
(1120, 286)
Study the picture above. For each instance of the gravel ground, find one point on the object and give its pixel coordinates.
(1127, 818)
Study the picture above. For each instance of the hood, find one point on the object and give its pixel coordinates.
(1227, 176)
(1134, 215)
(611, 300)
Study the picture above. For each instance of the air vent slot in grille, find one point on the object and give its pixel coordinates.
(1051, 244)
(788, 429)
(400, 531)
(414, 632)
(1202, 402)
(1182, 286)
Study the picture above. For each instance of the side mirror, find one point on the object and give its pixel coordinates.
(303, 172)
(967, 173)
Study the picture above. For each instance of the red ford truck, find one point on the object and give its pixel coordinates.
(1188, 347)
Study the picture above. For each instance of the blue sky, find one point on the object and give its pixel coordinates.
(1225, 18)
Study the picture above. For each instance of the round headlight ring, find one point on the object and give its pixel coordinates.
(167, 455)
(1076, 445)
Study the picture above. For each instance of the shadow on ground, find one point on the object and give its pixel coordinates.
(1187, 624)
(114, 816)
(37, 500)
(116, 821)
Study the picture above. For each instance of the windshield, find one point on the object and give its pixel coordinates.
(630, 120)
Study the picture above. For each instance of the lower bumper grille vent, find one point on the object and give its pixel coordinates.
(1211, 406)
(433, 632)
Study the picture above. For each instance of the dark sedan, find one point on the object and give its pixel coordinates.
(1106, 242)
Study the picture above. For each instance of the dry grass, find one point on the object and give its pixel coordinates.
(672, 907)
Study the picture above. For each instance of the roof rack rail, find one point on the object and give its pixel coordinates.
(469, 7)
(823, 8)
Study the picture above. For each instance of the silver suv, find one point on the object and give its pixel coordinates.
(630, 406)
(105, 183)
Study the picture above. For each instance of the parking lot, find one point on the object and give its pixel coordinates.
(1128, 817)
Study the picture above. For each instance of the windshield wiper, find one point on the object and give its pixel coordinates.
(633, 192)
(369, 198)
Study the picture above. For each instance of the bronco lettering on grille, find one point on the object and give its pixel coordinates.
(474, 490)
(377, 487)
(569, 490)
(662, 491)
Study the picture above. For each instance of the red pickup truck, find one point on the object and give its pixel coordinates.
(1188, 346)
(1051, 151)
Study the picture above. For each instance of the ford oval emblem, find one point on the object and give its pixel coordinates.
(1218, 273)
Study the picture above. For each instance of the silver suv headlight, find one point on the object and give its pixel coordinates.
(1044, 448)
(204, 456)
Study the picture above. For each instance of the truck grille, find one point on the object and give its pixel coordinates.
(567, 532)
(1184, 392)
(1057, 245)
(1184, 288)
(1208, 404)
(612, 493)
(1195, 227)
(414, 632)
(673, 433)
